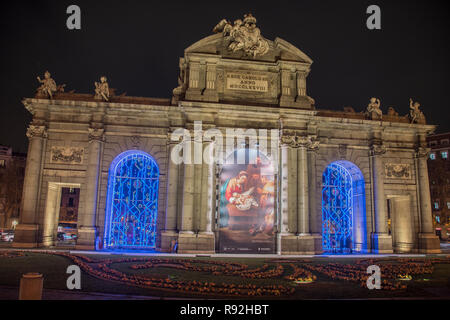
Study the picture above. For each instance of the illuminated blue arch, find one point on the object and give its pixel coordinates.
(132, 202)
(343, 208)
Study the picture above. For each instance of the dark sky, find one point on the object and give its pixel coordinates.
(137, 44)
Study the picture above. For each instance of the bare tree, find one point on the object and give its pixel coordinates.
(11, 184)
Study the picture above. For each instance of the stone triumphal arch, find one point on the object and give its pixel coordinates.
(353, 181)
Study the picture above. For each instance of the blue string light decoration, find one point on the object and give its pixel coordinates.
(132, 206)
(337, 209)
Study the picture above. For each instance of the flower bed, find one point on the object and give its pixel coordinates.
(103, 270)
(300, 271)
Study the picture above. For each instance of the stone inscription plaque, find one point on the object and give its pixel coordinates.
(247, 82)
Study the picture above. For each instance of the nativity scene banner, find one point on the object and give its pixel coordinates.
(247, 204)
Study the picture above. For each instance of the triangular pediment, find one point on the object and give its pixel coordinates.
(279, 49)
(238, 64)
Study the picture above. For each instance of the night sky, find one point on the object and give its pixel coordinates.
(137, 45)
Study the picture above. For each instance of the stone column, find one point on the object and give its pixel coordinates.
(428, 241)
(205, 238)
(305, 239)
(301, 84)
(287, 241)
(186, 237)
(313, 146)
(292, 193)
(187, 222)
(170, 229)
(210, 93)
(51, 214)
(87, 229)
(381, 240)
(206, 188)
(284, 192)
(287, 97)
(303, 191)
(26, 233)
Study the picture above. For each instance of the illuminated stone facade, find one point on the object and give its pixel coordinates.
(75, 139)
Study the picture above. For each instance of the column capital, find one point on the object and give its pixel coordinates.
(36, 131)
(422, 152)
(313, 144)
(377, 149)
(96, 134)
(294, 141)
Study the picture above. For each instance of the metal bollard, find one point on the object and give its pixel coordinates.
(31, 286)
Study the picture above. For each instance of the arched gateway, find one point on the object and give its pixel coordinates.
(132, 202)
(343, 208)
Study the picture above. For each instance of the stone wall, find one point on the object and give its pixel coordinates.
(72, 134)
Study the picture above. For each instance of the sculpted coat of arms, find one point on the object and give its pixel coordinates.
(243, 35)
(67, 155)
(397, 171)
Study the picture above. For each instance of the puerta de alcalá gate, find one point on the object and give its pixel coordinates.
(276, 174)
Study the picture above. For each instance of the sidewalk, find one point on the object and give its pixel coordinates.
(445, 247)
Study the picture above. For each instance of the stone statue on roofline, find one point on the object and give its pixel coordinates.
(373, 111)
(243, 36)
(415, 114)
(102, 89)
(48, 87)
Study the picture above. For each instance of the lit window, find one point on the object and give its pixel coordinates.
(444, 154)
(438, 219)
(2, 163)
(432, 156)
(448, 205)
(436, 205)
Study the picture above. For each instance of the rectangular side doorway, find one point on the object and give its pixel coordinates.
(61, 215)
(68, 217)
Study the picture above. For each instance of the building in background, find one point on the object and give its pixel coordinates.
(439, 171)
(12, 172)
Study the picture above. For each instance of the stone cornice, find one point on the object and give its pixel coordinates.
(31, 103)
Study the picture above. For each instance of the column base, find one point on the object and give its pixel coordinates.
(167, 236)
(309, 244)
(26, 236)
(381, 243)
(429, 243)
(302, 244)
(287, 243)
(86, 238)
(189, 242)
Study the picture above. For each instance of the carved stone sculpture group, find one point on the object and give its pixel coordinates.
(374, 112)
(243, 36)
(48, 88)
